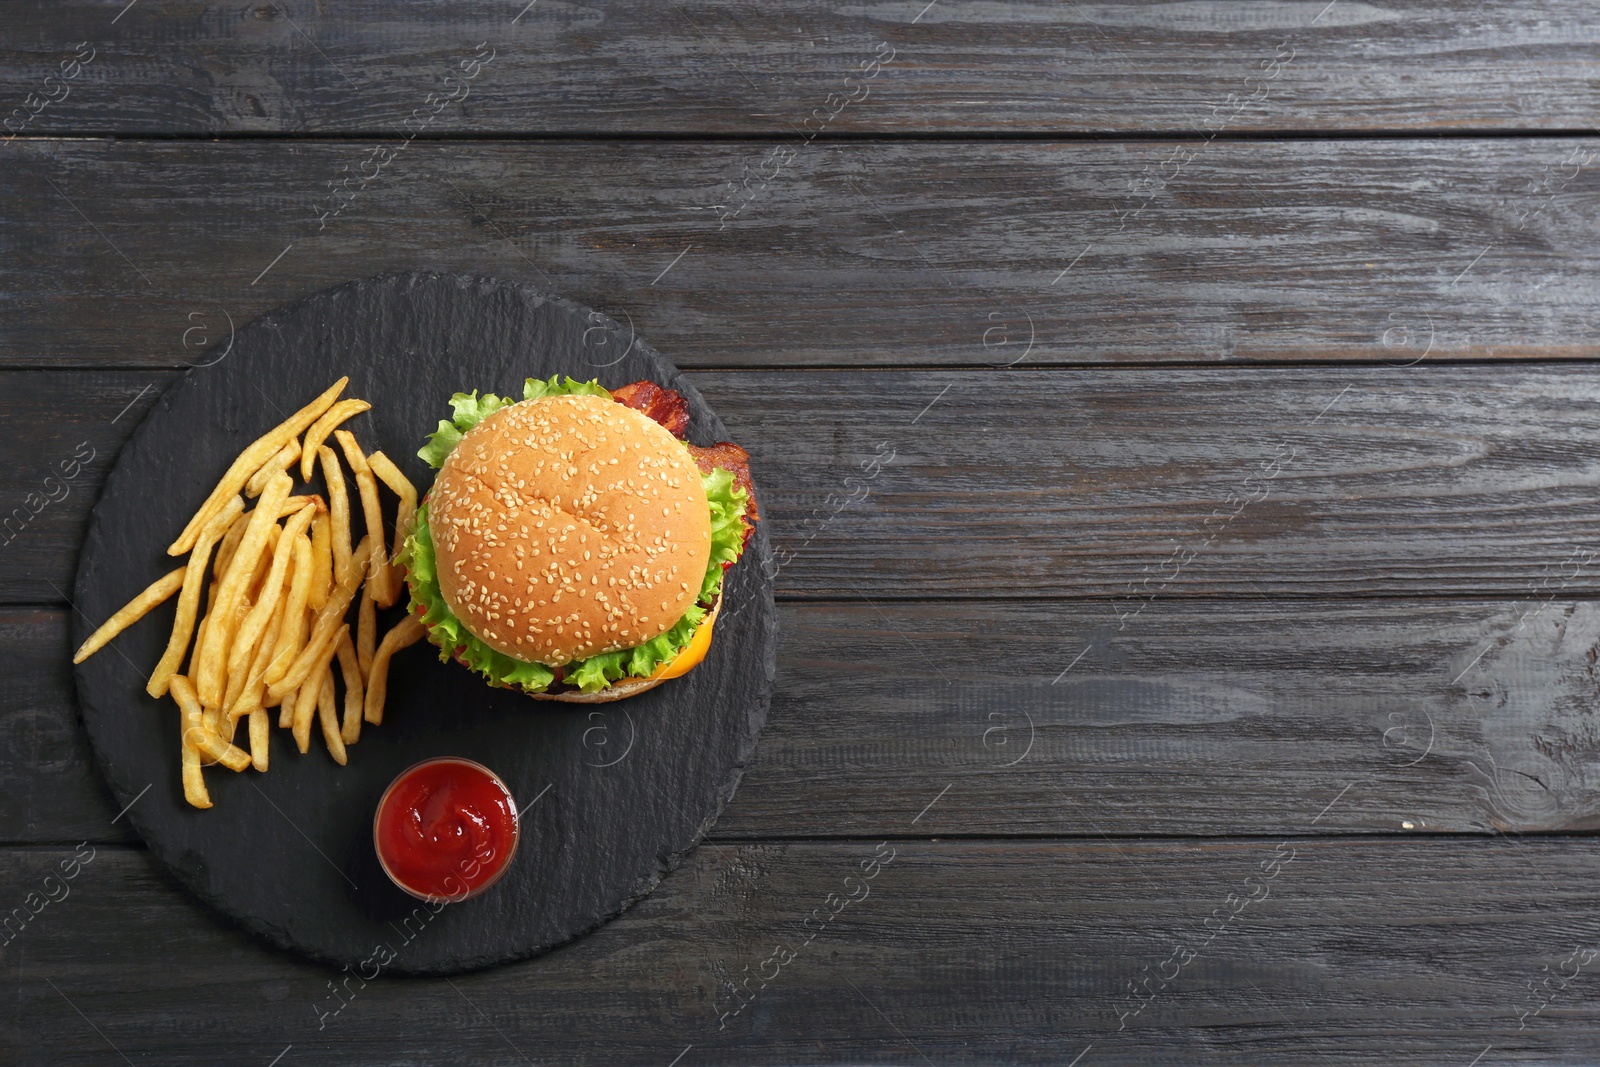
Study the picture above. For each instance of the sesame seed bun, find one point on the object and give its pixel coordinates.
(568, 526)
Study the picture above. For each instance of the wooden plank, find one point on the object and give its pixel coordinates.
(955, 951)
(952, 65)
(65, 430)
(977, 254)
(1154, 484)
(1030, 718)
(1120, 484)
(1231, 717)
(54, 791)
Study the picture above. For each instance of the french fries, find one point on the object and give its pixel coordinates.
(327, 621)
(320, 430)
(155, 593)
(195, 733)
(352, 451)
(194, 575)
(311, 689)
(354, 686)
(328, 718)
(244, 642)
(321, 560)
(338, 512)
(194, 783)
(252, 691)
(251, 460)
(292, 634)
(408, 631)
(378, 574)
(235, 581)
(225, 547)
(405, 514)
(366, 630)
(283, 576)
(260, 737)
(258, 481)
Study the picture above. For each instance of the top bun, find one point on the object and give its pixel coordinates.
(568, 526)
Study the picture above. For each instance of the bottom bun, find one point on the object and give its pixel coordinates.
(622, 688)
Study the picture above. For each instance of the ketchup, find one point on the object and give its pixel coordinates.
(445, 829)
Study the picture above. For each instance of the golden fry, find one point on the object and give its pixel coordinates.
(234, 582)
(378, 573)
(229, 542)
(408, 631)
(338, 512)
(195, 732)
(300, 717)
(194, 574)
(401, 486)
(286, 709)
(319, 432)
(227, 728)
(354, 687)
(366, 629)
(208, 721)
(260, 737)
(292, 633)
(200, 635)
(244, 642)
(352, 451)
(322, 633)
(234, 689)
(131, 612)
(312, 689)
(321, 560)
(285, 456)
(294, 503)
(311, 653)
(250, 697)
(251, 460)
(328, 718)
(232, 683)
(258, 577)
(194, 783)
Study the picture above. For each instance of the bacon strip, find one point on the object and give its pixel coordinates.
(730, 457)
(671, 410)
(665, 406)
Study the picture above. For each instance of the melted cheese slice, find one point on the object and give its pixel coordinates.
(690, 657)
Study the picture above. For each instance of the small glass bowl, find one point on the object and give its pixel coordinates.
(510, 854)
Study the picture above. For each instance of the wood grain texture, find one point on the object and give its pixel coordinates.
(1397, 640)
(747, 68)
(976, 254)
(1129, 485)
(54, 791)
(1028, 718)
(961, 952)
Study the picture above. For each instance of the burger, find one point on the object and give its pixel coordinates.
(574, 544)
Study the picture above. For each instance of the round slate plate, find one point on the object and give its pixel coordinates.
(614, 794)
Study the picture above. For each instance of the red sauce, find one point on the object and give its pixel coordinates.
(445, 829)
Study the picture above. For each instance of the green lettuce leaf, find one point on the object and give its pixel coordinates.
(728, 503)
(534, 388)
(449, 633)
(469, 409)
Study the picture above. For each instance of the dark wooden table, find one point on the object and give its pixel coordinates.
(1179, 424)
